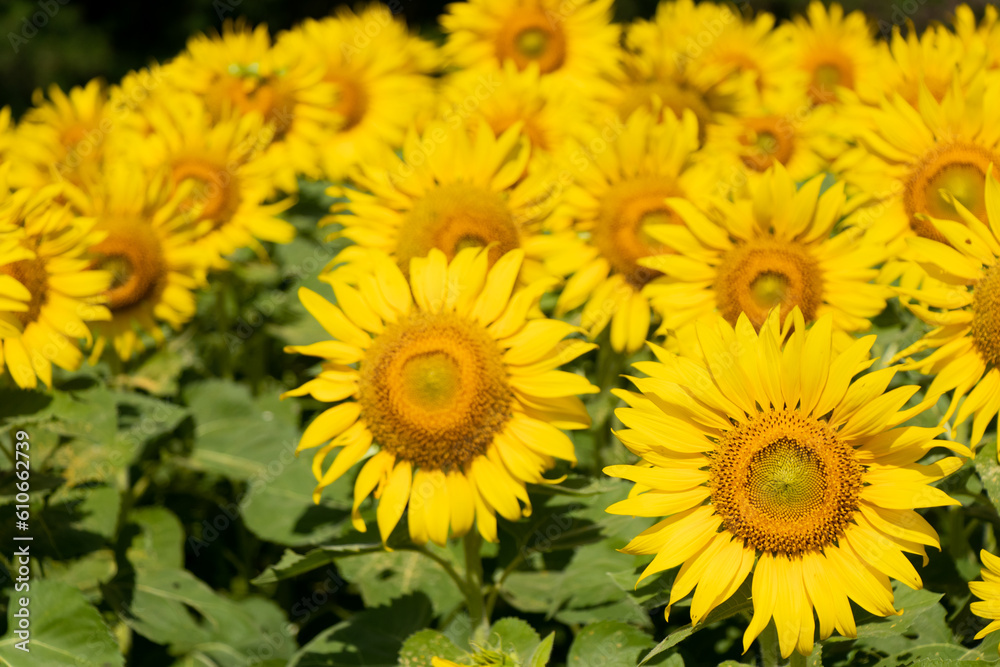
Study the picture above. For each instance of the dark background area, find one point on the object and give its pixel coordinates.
(82, 39)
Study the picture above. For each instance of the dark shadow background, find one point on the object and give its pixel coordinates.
(81, 39)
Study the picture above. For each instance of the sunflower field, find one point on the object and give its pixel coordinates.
(529, 337)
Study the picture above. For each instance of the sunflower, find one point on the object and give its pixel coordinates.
(914, 152)
(574, 41)
(459, 392)
(49, 291)
(238, 72)
(452, 189)
(62, 137)
(150, 248)
(961, 298)
(935, 59)
(982, 37)
(229, 174)
(765, 457)
(989, 591)
(771, 250)
(380, 74)
(620, 192)
(549, 111)
(836, 51)
(708, 58)
(802, 137)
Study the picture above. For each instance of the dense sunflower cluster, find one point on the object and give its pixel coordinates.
(742, 196)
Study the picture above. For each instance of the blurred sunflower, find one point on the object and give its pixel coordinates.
(550, 112)
(801, 137)
(981, 37)
(773, 461)
(619, 193)
(49, 291)
(961, 298)
(62, 137)
(837, 51)
(935, 59)
(708, 58)
(452, 188)
(458, 390)
(774, 249)
(150, 249)
(228, 171)
(382, 83)
(238, 72)
(574, 41)
(988, 590)
(914, 153)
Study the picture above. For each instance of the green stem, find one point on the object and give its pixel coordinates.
(770, 651)
(474, 579)
(797, 660)
(445, 565)
(495, 589)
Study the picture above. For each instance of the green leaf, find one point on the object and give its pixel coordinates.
(542, 653)
(608, 644)
(160, 539)
(174, 608)
(384, 576)
(65, 629)
(16, 402)
(372, 638)
(85, 574)
(254, 441)
(421, 646)
(922, 654)
(514, 635)
(294, 564)
(989, 470)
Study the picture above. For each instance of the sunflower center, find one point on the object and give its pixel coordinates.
(352, 102)
(826, 76)
(453, 217)
(957, 168)
(434, 390)
(764, 273)
(32, 274)
(621, 229)
(785, 483)
(133, 255)
(245, 91)
(767, 141)
(986, 317)
(529, 36)
(216, 189)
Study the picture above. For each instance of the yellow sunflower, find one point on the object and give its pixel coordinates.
(708, 58)
(380, 74)
(620, 192)
(458, 390)
(913, 153)
(574, 41)
(549, 111)
(150, 248)
(238, 72)
(801, 137)
(981, 37)
(961, 298)
(449, 190)
(765, 457)
(837, 51)
(774, 249)
(62, 137)
(988, 590)
(49, 292)
(229, 173)
(935, 59)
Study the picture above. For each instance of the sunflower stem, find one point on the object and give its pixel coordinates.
(474, 580)
(770, 651)
(797, 660)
